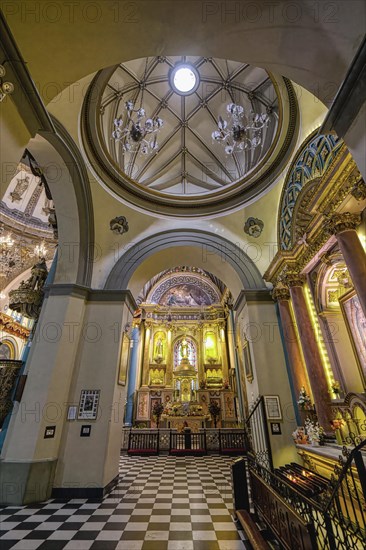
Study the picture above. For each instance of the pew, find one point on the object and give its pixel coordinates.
(251, 530)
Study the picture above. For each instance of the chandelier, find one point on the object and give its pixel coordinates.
(137, 132)
(12, 258)
(240, 132)
(5, 87)
(40, 250)
(15, 254)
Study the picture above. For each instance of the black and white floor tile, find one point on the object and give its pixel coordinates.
(160, 503)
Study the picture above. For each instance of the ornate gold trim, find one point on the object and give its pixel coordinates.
(9, 326)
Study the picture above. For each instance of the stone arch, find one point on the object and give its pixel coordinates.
(229, 252)
(66, 175)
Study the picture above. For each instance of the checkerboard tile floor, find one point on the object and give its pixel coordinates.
(160, 503)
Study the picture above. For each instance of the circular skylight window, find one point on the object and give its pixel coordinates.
(184, 79)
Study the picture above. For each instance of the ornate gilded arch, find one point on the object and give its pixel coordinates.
(314, 157)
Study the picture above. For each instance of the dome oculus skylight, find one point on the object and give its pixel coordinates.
(184, 79)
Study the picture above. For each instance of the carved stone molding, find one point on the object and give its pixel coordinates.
(359, 189)
(8, 372)
(344, 221)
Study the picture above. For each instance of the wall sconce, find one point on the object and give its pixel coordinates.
(6, 88)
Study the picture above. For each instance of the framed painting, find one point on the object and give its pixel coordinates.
(356, 326)
(273, 407)
(88, 406)
(124, 359)
(275, 428)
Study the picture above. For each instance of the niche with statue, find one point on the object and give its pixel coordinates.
(159, 347)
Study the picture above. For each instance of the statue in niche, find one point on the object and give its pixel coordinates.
(159, 345)
(159, 348)
(184, 349)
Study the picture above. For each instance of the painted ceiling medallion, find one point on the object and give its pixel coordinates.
(253, 227)
(119, 225)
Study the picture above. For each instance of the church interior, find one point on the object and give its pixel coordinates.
(183, 275)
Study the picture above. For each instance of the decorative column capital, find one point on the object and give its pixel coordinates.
(280, 293)
(358, 190)
(342, 221)
(293, 278)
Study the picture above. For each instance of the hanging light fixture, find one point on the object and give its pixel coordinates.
(6, 88)
(241, 131)
(137, 132)
(40, 250)
(12, 255)
(6, 240)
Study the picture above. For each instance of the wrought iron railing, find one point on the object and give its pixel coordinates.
(232, 442)
(346, 504)
(333, 520)
(257, 434)
(350, 419)
(188, 443)
(143, 443)
(224, 441)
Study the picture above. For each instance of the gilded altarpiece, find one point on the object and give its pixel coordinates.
(185, 359)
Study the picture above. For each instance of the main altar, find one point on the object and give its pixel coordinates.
(185, 361)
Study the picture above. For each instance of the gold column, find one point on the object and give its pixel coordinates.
(201, 354)
(225, 363)
(146, 360)
(169, 358)
(310, 349)
(343, 226)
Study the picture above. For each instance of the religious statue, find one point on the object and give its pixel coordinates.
(38, 276)
(159, 347)
(27, 298)
(184, 349)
